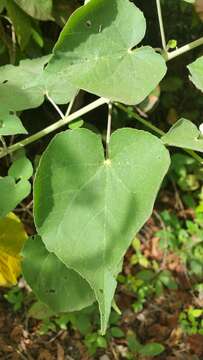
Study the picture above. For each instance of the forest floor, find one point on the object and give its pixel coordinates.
(158, 321)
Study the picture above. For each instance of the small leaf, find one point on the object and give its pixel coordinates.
(97, 51)
(21, 169)
(12, 193)
(76, 124)
(152, 349)
(10, 124)
(117, 332)
(196, 71)
(12, 239)
(133, 344)
(96, 204)
(39, 9)
(40, 311)
(184, 134)
(60, 288)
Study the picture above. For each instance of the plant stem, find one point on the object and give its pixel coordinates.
(140, 119)
(55, 106)
(53, 127)
(108, 133)
(161, 25)
(157, 130)
(171, 55)
(71, 104)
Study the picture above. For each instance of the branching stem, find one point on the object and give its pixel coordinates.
(68, 111)
(56, 107)
(157, 130)
(53, 127)
(173, 54)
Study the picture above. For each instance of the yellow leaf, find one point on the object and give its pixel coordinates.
(12, 239)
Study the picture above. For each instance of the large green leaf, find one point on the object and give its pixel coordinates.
(96, 52)
(87, 209)
(184, 134)
(196, 71)
(24, 86)
(62, 289)
(39, 9)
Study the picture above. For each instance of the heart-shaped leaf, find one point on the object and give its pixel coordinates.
(184, 134)
(25, 86)
(196, 71)
(87, 209)
(96, 52)
(62, 289)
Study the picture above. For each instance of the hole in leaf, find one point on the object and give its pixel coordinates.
(52, 291)
(88, 23)
(45, 65)
(5, 82)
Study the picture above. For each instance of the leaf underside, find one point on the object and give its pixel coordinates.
(88, 209)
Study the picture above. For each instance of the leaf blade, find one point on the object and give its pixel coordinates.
(88, 210)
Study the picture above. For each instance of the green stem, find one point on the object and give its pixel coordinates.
(108, 132)
(161, 24)
(156, 130)
(56, 107)
(173, 54)
(140, 119)
(53, 127)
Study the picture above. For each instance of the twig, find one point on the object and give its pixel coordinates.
(71, 104)
(156, 130)
(108, 132)
(5, 148)
(65, 120)
(56, 107)
(173, 54)
(161, 25)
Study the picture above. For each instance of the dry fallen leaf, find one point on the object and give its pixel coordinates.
(12, 239)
